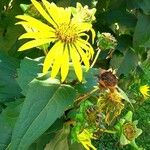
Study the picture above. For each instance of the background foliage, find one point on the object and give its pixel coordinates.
(128, 21)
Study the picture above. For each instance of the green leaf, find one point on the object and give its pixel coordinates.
(45, 102)
(8, 37)
(124, 42)
(91, 80)
(145, 6)
(8, 118)
(11, 113)
(124, 95)
(124, 64)
(142, 31)
(9, 88)
(40, 143)
(5, 134)
(9, 32)
(60, 140)
(29, 68)
(76, 146)
(146, 44)
(123, 17)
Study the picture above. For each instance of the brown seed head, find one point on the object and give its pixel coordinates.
(108, 79)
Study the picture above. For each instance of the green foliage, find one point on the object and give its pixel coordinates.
(9, 88)
(142, 32)
(128, 61)
(42, 100)
(60, 140)
(41, 113)
(5, 134)
(29, 68)
(8, 119)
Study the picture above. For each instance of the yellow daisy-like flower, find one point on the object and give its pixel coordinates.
(144, 90)
(68, 35)
(85, 139)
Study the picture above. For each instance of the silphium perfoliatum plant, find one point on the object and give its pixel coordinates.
(127, 130)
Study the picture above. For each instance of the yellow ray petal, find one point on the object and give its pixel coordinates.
(34, 23)
(84, 35)
(93, 35)
(86, 46)
(58, 14)
(66, 15)
(43, 12)
(58, 61)
(38, 35)
(65, 64)
(87, 27)
(144, 91)
(34, 43)
(53, 11)
(85, 139)
(82, 27)
(83, 56)
(76, 62)
(51, 56)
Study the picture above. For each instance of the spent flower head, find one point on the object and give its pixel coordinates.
(128, 130)
(108, 79)
(84, 14)
(111, 105)
(68, 35)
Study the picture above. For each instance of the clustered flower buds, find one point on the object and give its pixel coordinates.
(106, 41)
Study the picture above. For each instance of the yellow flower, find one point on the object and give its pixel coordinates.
(70, 42)
(85, 139)
(144, 90)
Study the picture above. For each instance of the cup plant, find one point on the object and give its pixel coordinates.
(73, 87)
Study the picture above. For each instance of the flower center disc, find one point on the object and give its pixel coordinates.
(66, 33)
(129, 131)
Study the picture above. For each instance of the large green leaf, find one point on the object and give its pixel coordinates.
(91, 80)
(46, 101)
(106, 19)
(9, 32)
(124, 63)
(7, 120)
(124, 42)
(5, 134)
(60, 140)
(44, 139)
(9, 88)
(144, 5)
(11, 113)
(29, 68)
(123, 18)
(142, 31)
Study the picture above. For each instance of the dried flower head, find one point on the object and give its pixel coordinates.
(108, 79)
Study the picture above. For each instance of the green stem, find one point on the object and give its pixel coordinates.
(84, 97)
(108, 131)
(44, 48)
(95, 59)
(45, 51)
